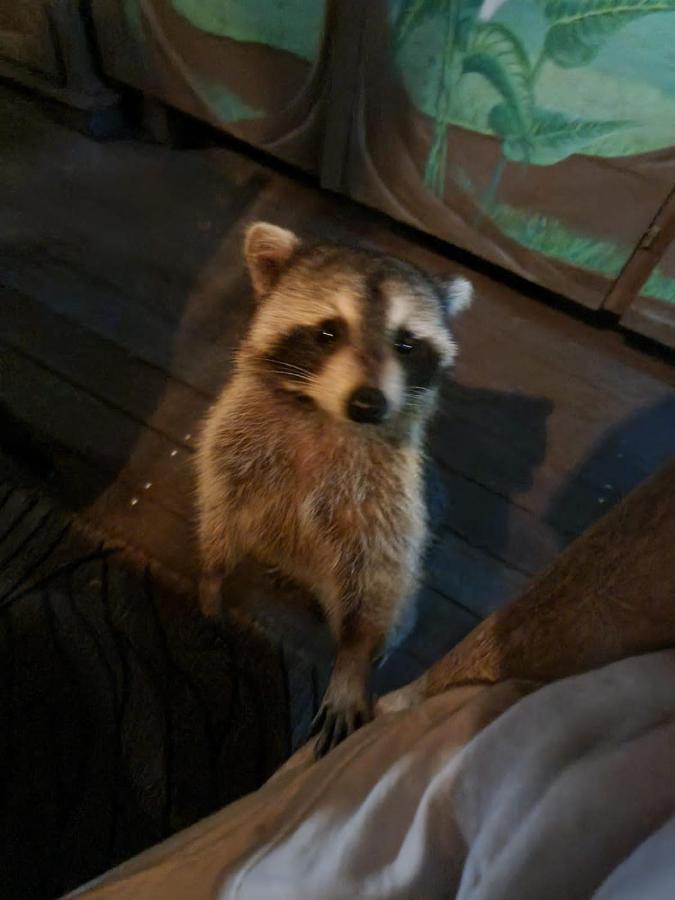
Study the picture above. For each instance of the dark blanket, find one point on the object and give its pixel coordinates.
(124, 715)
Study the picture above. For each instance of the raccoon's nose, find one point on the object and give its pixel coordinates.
(367, 404)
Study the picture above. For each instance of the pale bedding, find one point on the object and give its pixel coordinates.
(483, 793)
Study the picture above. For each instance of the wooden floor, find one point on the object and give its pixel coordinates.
(122, 295)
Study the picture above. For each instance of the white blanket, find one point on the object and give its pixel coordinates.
(483, 793)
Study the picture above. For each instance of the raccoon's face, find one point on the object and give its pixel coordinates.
(362, 336)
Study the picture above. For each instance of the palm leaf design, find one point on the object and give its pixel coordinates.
(552, 137)
(497, 55)
(462, 12)
(413, 13)
(579, 28)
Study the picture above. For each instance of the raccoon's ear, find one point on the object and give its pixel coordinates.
(267, 249)
(458, 295)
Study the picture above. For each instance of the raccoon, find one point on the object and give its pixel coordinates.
(311, 460)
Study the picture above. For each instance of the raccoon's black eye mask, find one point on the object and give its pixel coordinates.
(404, 341)
(419, 360)
(329, 331)
(301, 354)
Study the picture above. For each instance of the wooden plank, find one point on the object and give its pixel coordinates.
(145, 528)
(496, 508)
(153, 240)
(151, 338)
(130, 260)
(582, 408)
(644, 259)
(541, 429)
(652, 318)
(504, 393)
(489, 522)
(510, 443)
(476, 581)
(103, 310)
(161, 246)
(114, 442)
(441, 624)
(84, 359)
(521, 332)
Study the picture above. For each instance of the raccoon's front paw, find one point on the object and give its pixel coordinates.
(336, 721)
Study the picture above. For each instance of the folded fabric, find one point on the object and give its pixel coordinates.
(499, 792)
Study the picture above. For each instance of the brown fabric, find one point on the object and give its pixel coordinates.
(609, 595)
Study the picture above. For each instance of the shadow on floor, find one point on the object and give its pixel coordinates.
(627, 455)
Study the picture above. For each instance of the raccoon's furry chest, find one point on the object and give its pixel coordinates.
(297, 486)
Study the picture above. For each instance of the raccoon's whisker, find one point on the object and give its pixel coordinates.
(294, 376)
(279, 363)
(417, 399)
(417, 392)
(296, 370)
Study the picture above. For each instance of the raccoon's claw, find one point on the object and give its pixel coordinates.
(333, 724)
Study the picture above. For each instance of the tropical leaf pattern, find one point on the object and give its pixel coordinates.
(497, 55)
(462, 15)
(514, 69)
(552, 137)
(460, 20)
(579, 28)
(411, 15)
(467, 15)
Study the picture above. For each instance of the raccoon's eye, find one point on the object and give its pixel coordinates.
(328, 331)
(404, 341)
